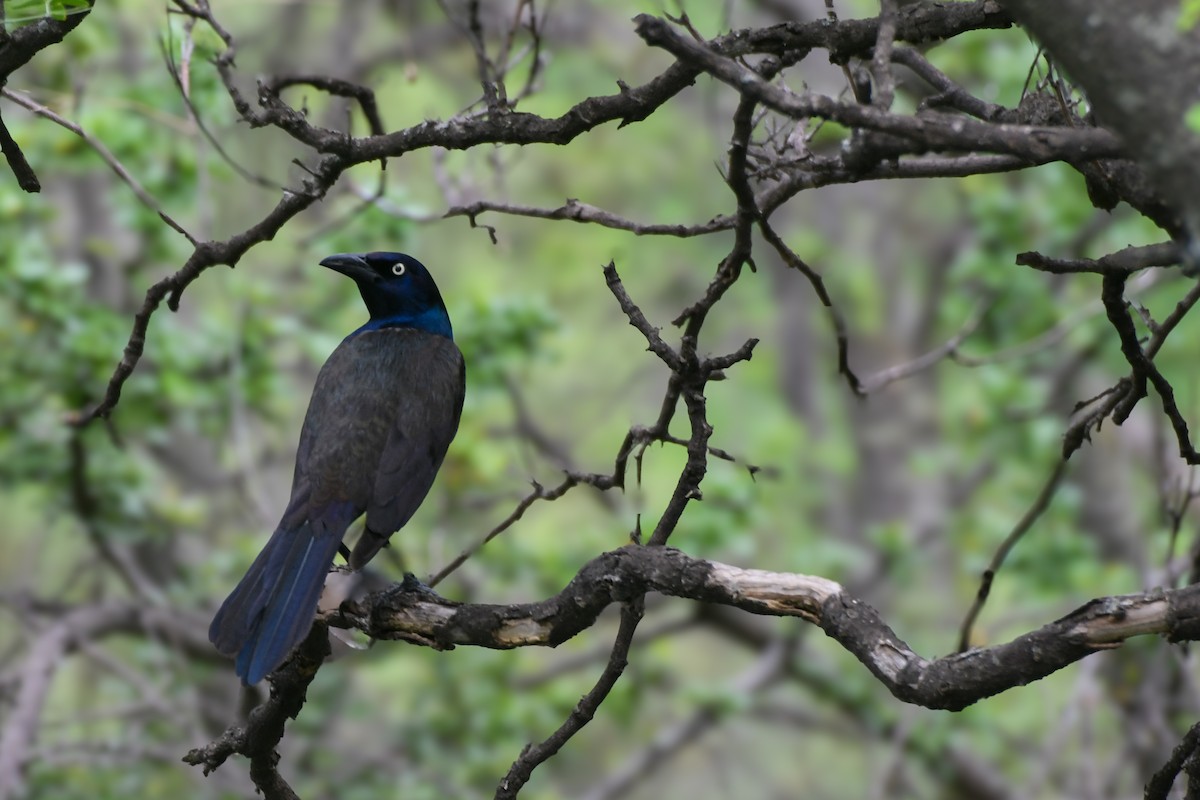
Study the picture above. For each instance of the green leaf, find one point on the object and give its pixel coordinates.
(1191, 118)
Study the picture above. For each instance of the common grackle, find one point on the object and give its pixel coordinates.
(384, 409)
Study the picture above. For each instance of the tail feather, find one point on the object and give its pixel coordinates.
(271, 610)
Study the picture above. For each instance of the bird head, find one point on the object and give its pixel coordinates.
(397, 289)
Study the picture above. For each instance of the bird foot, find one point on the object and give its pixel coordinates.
(411, 589)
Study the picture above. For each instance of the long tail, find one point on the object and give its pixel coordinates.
(271, 610)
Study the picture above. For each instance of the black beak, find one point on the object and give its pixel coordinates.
(352, 265)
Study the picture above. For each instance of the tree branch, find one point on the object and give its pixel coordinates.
(105, 154)
(534, 755)
(1145, 95)
(264, 730)
(1122, 262)
(927, 132)
(26, 178)
(952, 682)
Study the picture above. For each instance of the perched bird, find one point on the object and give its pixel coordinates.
(384, 409)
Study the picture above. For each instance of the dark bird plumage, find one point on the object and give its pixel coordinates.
(384, 409)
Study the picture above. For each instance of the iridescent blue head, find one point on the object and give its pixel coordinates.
(398, 290)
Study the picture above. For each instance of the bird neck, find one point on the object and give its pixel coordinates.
(430, 320)
(394, 306)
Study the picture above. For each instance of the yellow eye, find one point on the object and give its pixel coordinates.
(398, 269)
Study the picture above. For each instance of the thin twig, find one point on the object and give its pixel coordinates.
(885, 377)
(576, 211)
(1122, 262)
(671, 740)
(539, 493)
(1143, 369)
(835, 316)
(534, 755)
(1040, 504)
(950, 93)
(101, 150)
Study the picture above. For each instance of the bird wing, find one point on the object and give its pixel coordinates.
(429, 388)
(271, 610)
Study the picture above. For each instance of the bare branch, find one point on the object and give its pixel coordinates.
(1123, 395)
(264, 730)
(952, 682)
(1159, 785)
(207, 254)
(769, 667)
(881, 59)
(582, 212)
(835, 317)
(26, 178)
(539, 493)
(534, 755)
(1035, 144)
(950, 93)
(638, 319)
(879, 380)
(1122, 262)
(1143, 369)
(334, 86)
(101, 150)
(1031, 515)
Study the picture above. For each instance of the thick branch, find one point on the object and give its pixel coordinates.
(952, 682)
(1145, 94)
(928, 132)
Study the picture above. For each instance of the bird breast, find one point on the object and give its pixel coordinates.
(382, 388)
